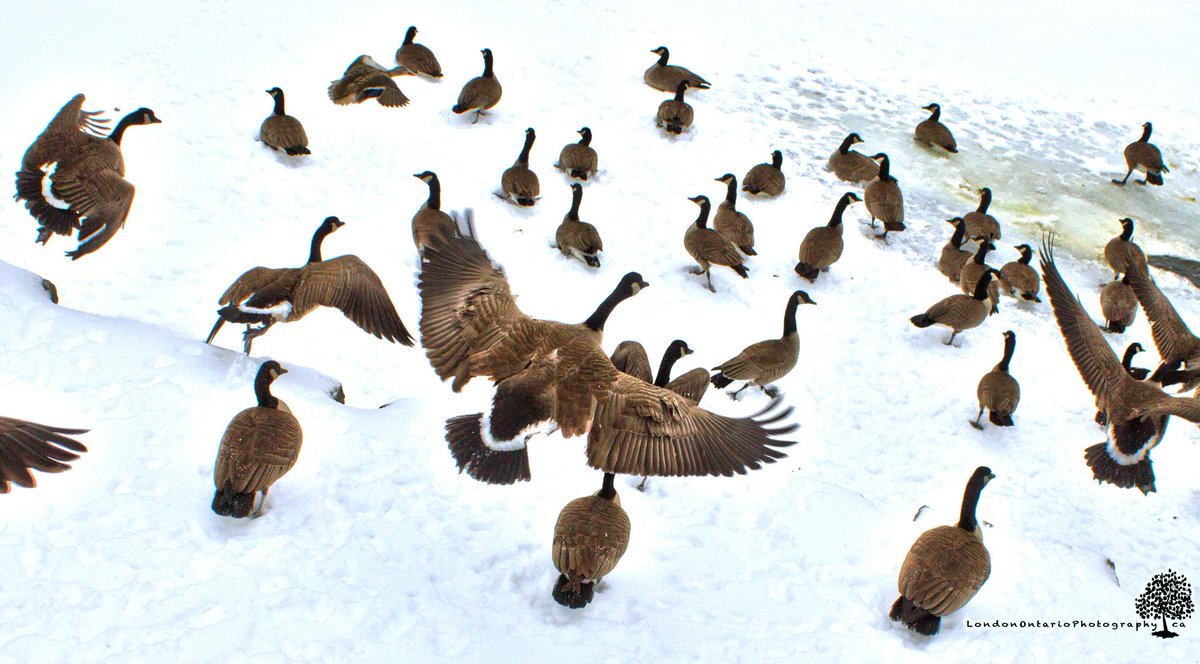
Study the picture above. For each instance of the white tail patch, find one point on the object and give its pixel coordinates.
(1136, 457)
(519, 441)
(47, 187)
(280, 311)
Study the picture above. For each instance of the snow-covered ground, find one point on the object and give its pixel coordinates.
(373, 548)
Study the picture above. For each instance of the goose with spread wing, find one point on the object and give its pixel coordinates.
(28, 445)
(557, 373)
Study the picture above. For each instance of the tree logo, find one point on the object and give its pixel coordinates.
(1168, 595)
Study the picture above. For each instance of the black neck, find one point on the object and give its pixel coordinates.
(845, 146)
(1026, 256)
(789, 316)
(960, 235)
(1127, 361)
(935, 113)
(966, 519)
(576, 197)
(702, 220)
(777, 159)
(523, 158)
(838, 209)
(985, 199)
(731, 191)
(435, 194)
(1127, 232)
(487, 65)
(981, 288)
(663, 57)
(608, 491)
(262, 390)
(885, 169)
(1010, 344)
(669, 359)
(119, 131)
(314, 252)
(586, 138)
(679, 90)
(279, 103)
(596, 321)
(1146, 133)
(408, 37)
(981, 255)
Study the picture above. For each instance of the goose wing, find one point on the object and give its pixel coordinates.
(1172, 336)
(630, 358)
(348, 284)
(691, 385)
(259, 446)
(101, 196)
(28, 445)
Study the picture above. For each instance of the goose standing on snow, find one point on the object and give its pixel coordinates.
(665, 77)
(731, 224)
(430, 219)
(1119, 305)
(578, 238)
(590, 537)
(766, 179)
(367, 79)
(931, 131)
(675, 115)
(281, 131)
(1138, 411)
(267, 295)
(481, 93)
(954, 257)
(1116, 252)
(579, 160)
(998, 391)
(851, 165)
(28, 445)
(260, 445)
(709, 247)
(549, 372)
(87, 189)
(1019, 279)
(884, 199)
(959, 312)
(981, 225)
(767, 361)
(1144, 156)
(416, 58)
(518, 182)
(945, 567)
(822, 246)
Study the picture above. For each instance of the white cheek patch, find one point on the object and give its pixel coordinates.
(280, 311)
(47, 187)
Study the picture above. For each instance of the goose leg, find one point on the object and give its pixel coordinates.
(953, 333)
(642, 485)
(733, 394)
(261, 501)
(251, 334)
(1124, 179)
(710, 286)
(770, 390)
(976, 423)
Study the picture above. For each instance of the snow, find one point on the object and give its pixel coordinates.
(373, 548)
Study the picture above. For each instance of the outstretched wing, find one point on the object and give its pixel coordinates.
(103, 198)
(1172, 336)
(348, 284)
(691, 385)
(66, 127)
(25, 445)
(640, 429)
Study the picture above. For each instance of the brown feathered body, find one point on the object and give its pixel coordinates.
(764, 362)
(1144, 156)
(851, 165)
(733, 225)
(675, 115)
(884, 200)
(969, 276)
(1019, 279)
(1118, 249)
(590, 536)
(430, 220)
(578, 160)
(482, 92)
(86, 173)
(366, 79)
(822, 246)
(959, 312)
(998, 391)
(259, 446)
(953, 256)
(281, 131)
(578, 238)
(708, 247)
(26, 446)
(1118, 304)
(665, 77)
(932, 132)
(944, 569)
(417, 58)
(766, 179)
(518, 182)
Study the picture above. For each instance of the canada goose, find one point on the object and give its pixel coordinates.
(260, 446)
(822, 246)
(945, 567)
(267, 295)
(1138, 411)
(28, 445)
(998, 391)
(709, 247)
(546, 371)
(931, 131)
(87, 190)
(590, 537)
(630, 358)
(665, 77)
(675, 115)
(765, 362)
(366, 79)
(1145, 157)
(281, 131)
(980, 224)
(884, 200)
(480, 93)
(519, 183)
(1138, 373)
(416, 58)
(579, 160)
(954, 257)
(851, 165)
(766, 179)
(731, 224)
(578, 238)
(1172, 337)
(1119, 305)
(974, 268)
(959, 312)
(430, 219)
(1116, 252)
(1019, 279)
